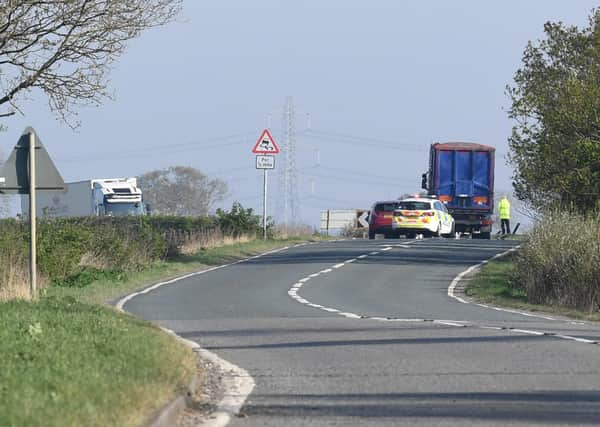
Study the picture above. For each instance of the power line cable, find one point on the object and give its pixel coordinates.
(356, 181)
(362, 141)
(169, 148)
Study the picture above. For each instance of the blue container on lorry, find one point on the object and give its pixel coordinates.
(461, 175)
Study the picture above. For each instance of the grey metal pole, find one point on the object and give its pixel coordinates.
(32, 212)
(265, 205)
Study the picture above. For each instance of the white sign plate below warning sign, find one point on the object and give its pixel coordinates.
(265, 162)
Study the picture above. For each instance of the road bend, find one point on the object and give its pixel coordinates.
(364, 333)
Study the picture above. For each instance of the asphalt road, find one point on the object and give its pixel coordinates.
(364, 333)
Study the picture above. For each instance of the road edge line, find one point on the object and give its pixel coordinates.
(237, 382)
(237, 385)
(454, 287)
(460, 277)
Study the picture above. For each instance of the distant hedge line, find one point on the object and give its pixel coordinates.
(68, 247)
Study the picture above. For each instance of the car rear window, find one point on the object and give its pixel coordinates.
(414, 206)
(386, 207)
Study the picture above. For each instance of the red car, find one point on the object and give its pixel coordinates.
(380, 218)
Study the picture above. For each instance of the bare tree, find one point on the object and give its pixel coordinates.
(66, 48)
(181, 191)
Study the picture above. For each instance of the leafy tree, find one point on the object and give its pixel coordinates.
(555, 144)
(66, 48)
(181, 191)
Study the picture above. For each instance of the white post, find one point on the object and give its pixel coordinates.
(32, 212)
(265, 205)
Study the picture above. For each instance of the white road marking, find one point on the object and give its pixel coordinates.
(237, 382)
(461, 276)
(582, 340)
(451, 293)
(526, 331)
(349, 315)
(449, 323)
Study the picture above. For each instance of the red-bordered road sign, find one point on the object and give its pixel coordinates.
(265, 144)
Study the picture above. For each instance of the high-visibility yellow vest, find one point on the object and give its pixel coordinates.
(504, 209)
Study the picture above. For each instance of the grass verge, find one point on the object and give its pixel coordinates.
(108, 287)
(493, 285)
(66, 363)
(68, 360)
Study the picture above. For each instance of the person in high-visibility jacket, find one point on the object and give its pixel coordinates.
(504, 213)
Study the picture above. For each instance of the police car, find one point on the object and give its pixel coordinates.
(422, 215)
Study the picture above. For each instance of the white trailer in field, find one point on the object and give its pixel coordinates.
(92, 197)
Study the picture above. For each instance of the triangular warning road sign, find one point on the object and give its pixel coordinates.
(14, 173)
(265, 144)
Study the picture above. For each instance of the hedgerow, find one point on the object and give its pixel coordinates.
(75, 251)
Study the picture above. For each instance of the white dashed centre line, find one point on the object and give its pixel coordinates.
(293, 293)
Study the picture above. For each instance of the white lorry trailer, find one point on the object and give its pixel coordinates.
(92, 197)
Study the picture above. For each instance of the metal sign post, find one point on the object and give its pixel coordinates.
(32, 230)
(266, 172)
(265, 163)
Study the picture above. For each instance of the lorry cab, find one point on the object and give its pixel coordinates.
(117, 197)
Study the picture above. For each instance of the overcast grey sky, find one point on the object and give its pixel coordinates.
(405, 73)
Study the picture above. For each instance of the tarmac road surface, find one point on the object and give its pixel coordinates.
(364, 333)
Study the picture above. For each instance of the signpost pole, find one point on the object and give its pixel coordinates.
(32, 212)
(265, 205)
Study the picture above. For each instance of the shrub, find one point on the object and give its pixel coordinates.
(560, 262)
(240, 221)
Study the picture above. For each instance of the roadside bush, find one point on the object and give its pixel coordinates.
(186, 235)
(560, 262)
(240, 221)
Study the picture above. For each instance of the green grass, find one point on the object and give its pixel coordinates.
(109, 287)
(492, 285)
(68, 360)
(65, 363)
